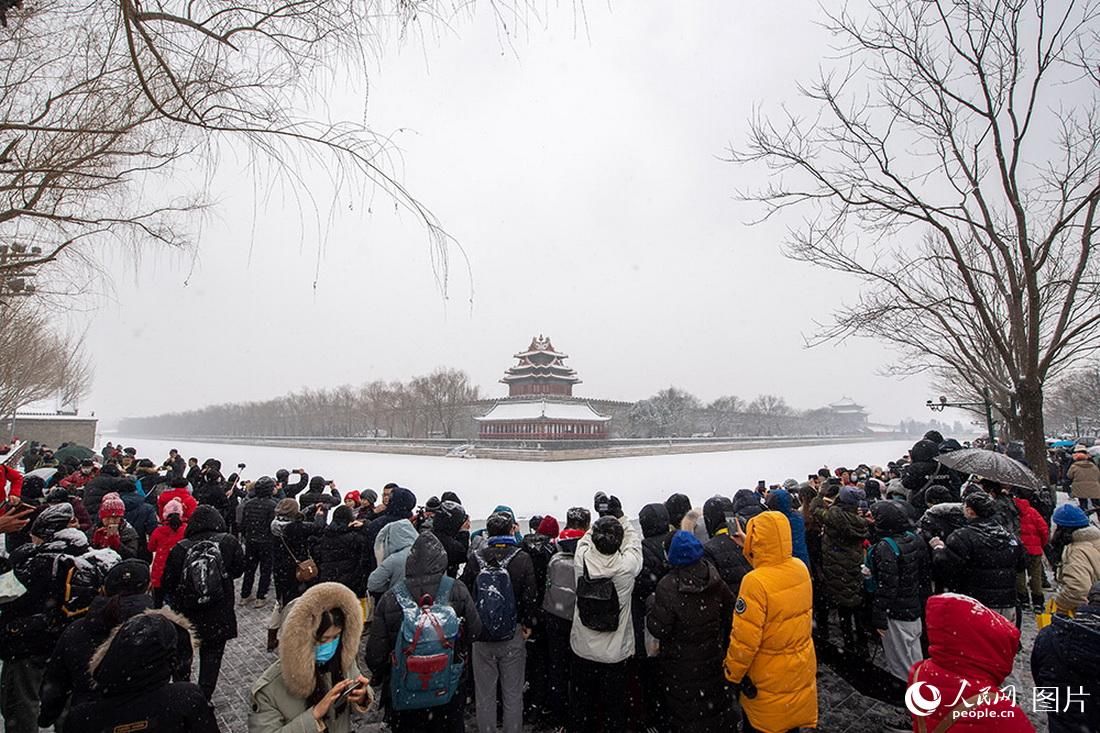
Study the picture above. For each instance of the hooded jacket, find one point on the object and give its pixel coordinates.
(447, 527)
(424, 568)
(1080, 568)
(902, 579)
(720, 549)
(341, 553)
(218, 621)
(161, 542)
(780, 500)
(608, 647)
(140, 515)
(318, 495)
(256, 516)
(109, 479)
(67, 670)
(842, 555)
(981, 560)
(969, 643)
(1034, 532)
(185, 497)
(280, 696)
(770, 645)
(1066, 655)
(401, 506)
(133, 670)
(1085, 480)
(395, 541)
(656, 538)
(690, 616)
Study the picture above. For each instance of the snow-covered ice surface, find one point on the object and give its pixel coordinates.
(537, 487)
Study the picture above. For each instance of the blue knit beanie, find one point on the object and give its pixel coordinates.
(1070, 515)
(685, 549)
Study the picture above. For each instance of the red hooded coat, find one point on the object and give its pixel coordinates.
(970, 648)
(1034, 532)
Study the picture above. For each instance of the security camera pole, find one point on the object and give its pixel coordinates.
(986, 404)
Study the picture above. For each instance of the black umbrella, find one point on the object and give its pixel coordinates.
(991, 465)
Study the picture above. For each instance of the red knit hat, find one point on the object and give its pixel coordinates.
(112, 506)
(548, 527)
(353, 495)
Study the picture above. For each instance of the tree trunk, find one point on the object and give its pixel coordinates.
(1030, 418)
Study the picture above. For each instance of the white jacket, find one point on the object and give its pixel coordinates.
(609, 647)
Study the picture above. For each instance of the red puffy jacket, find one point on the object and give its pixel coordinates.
(161, 542)
(1034, 532)
(970, 649)
(185, 498)
(11, 482)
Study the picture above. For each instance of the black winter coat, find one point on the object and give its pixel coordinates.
(521, 570)
(940, 520)
(340, 553)
(257, 514)
(1066, 655)
(423, 571)
(728, 559)
(100, 486)
(691, 616)
(842, 556)
(218, 621)
(902, 579)
(540, 548)
(67, 668)
(212, 493)
(981, 560)
(455, 540)
(170, 707)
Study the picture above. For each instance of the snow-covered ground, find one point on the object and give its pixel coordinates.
(539, 488)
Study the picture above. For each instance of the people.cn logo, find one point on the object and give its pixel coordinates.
(917, 703)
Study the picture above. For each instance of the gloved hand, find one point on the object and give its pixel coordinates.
(601, 504)
(615, 507)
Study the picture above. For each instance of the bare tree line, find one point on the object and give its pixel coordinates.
(433, 405)
(949, 160)
(443, 404)
(37, 361)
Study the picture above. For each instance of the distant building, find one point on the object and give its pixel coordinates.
(540, 405)
(51, 428)
(847, 416)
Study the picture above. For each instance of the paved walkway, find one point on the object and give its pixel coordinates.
(842, 709)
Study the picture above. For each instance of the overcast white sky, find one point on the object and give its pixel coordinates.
(582, 174)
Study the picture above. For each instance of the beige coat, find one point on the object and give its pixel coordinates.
(1080, 568)
(1086, 480)
(279, 695)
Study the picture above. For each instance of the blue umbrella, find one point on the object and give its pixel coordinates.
(1062, 443)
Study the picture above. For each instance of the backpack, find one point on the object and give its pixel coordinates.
(496, 598)
(203, 575)
(870, 583)
(597, 602)
(424, 669)
(561, 586)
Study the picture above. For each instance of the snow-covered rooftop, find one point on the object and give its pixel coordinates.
(543, 409)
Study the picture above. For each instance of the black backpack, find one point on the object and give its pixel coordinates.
(496, 598)
(597, 602)
(203, 576)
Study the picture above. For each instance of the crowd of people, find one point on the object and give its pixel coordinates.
(121, 572)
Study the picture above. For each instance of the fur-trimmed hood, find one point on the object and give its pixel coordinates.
(142, 652)
(297, 640)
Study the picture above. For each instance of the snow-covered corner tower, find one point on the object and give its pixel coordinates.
(540, 403)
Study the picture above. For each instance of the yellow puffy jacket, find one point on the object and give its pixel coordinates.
(771, 641)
